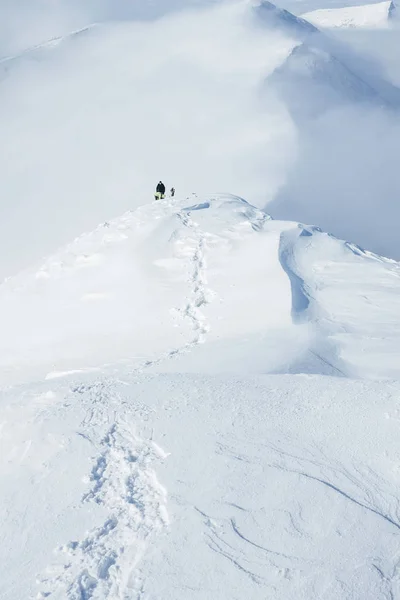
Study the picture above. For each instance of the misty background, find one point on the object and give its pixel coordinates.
(189, 95)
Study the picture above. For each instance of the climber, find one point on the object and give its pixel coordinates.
(160, 191)
(172, 192)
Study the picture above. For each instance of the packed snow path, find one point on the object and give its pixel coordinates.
(123, 483)
(152, 471)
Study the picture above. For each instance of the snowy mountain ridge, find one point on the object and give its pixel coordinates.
(197, 400)
(62, 98)
(109, 308)
(188, 365)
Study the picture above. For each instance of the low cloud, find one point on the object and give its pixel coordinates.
(346, 176)
(91, 124)
(26, 23)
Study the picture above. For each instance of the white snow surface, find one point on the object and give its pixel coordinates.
(370, 16)
(201, 402)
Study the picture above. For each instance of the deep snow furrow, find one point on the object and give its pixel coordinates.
(300, 296)
(304, 304)
(198, 293)
(104, 563)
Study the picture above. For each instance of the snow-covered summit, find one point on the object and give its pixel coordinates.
(273, 16)
(311, 81)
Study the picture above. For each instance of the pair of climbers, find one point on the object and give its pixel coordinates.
(160, 191)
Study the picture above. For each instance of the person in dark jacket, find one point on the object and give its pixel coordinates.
(160, 191)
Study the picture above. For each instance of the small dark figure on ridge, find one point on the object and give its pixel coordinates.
(160, 191)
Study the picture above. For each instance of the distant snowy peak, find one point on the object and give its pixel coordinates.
(35, 52)
(40, 52)
(311, 81)
(322, 72)
(270, 15)
(394, 11)
(368, 16)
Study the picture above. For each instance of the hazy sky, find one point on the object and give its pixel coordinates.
(24, 23)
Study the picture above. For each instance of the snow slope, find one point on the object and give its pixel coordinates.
(197, 400)
(372, 15)
(166, 486)
(183, 418)
(98, 300)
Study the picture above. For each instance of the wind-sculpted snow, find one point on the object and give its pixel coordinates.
(186, 417)
(198, 401)
(177, 277)
(267, 485)
(342, 318)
